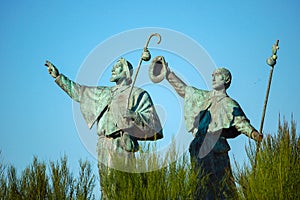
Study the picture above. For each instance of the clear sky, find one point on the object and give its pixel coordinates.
(37, 117)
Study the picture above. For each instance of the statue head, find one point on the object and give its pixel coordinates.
(221, 79)
(122, 72)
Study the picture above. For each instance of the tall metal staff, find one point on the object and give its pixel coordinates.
(140, 62)
(271, 61)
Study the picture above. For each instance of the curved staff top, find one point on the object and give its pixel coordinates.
(140, 62)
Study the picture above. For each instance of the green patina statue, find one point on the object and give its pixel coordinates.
(212, 117)
(121, 119)
(118, 127)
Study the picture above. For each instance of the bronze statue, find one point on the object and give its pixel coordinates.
(107, 107)
(212, 117)
(121, 119)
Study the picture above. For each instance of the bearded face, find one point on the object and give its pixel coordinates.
(117, 72)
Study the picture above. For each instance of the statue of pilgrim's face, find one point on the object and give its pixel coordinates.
(117, 72)
(218, 80)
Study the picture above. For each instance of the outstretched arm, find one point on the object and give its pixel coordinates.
(70, 87)
(176, 82)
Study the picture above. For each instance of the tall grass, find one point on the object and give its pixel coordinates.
(273, 174)
(172, 181)
(276, 172)
(34, 183)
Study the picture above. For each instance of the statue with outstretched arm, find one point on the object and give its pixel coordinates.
(97, 104)
(121, 119)
(212, 117)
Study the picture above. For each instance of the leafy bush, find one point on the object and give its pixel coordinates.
(34, 183)
(174, 181)
(275, 172)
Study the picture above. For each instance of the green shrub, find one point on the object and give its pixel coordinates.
(275, 174)
(35, 184)
(86, 182)
(174, 181)
(34, 181)
(62, 181)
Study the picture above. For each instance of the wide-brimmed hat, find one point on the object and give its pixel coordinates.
(157, 69)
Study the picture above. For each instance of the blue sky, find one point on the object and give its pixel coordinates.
(37, 117)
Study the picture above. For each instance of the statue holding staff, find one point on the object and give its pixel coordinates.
(212, 117)
(123, 113)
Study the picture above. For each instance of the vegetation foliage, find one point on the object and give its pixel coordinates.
(34, 183)
(173, 181)
(272, 173)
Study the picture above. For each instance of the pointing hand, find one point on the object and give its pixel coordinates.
(53, 71)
